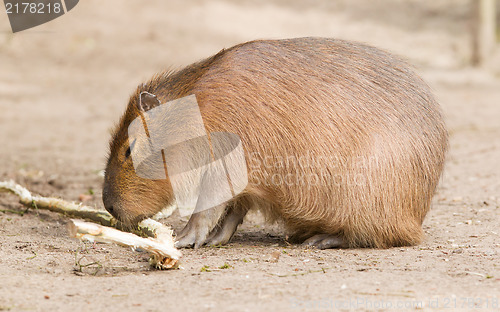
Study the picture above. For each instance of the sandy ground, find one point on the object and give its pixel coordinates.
(64, 84)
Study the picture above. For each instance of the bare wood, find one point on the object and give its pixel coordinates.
(74, 209)
(58, 205)
(164, 253)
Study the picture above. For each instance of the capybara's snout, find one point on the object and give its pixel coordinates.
(114, 205)
(108, 201)
(112, 198)
(130, 198)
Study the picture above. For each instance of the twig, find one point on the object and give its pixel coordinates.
(475, 273)
(164, 253)
(58, 205)
(300, 273)
(21, 213)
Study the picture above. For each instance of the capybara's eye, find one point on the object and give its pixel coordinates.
(129, 149)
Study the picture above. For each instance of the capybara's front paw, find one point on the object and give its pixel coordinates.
(193, 235)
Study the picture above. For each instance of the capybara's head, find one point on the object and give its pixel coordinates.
(127, 196)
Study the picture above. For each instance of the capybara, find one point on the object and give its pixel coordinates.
(343, 142)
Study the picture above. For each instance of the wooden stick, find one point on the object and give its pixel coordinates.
(164, 253)
(58, 205)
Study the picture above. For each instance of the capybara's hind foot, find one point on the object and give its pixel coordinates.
(325, 241)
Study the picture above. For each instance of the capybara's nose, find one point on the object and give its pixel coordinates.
(108, 205)
(110, 210)
(106, 200)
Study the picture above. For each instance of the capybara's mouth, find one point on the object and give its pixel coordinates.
(130, 223)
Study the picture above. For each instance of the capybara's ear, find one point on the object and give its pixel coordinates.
(147, 101)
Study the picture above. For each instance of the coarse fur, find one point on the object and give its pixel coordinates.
(342, 140)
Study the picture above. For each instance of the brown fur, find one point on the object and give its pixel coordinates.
(356, 123)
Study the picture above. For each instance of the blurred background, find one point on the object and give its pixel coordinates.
(65, 83)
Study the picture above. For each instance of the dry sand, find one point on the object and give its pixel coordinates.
(64, 84)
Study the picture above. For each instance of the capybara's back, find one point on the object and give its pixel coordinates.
(343, 142)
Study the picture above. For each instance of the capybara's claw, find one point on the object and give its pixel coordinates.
(220, 236)
(196, 232)
(184, 241)
(192, 236)
(223, 233)
(324, 241)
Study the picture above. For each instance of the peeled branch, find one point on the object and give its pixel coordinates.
(164, 255)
